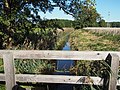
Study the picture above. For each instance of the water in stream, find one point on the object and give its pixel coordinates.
(63, 66)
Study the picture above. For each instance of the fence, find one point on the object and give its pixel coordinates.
(11, 78)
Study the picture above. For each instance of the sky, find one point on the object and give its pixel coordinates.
(108, 9)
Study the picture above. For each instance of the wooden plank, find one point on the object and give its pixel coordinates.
(114, 72)
(62, 55)
(55, 79)
(97, 80)
(77, 55)
(9, 70)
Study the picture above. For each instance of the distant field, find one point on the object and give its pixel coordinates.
(101, 28)
(94, 38)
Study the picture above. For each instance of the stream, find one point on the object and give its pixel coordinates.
(63, 67)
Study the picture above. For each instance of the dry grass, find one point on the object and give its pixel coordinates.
(87, 40)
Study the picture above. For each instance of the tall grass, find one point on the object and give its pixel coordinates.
(95, 41)
(88, 40)
(113, 35)
(39, 66)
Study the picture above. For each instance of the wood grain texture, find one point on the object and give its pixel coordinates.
(55, 79)
(62, 55)
(20, 78)
(9, 70)
(53, 54)
(114, 72)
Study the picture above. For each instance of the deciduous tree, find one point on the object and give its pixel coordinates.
(87, 14)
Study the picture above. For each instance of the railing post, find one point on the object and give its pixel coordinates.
(9, 70)
(113, 62)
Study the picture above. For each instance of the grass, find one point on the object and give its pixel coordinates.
(1, 66)
(85, 40)
(2, 87)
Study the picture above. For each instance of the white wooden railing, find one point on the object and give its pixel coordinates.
(11, 78)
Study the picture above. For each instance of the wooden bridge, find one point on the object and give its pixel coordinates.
(11, 78)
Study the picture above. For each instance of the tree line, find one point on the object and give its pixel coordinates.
(114, 24)
(73, 23)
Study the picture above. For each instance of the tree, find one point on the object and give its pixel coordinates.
(102, 23)
(18, 18)
(114, 24)
(87, 15)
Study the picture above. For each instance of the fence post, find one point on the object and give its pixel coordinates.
(113, 62)
(9, 70)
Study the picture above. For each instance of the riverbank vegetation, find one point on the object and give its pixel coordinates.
(39, 66)
(93, 40)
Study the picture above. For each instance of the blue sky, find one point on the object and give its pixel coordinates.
(111, 7)
(109, 10)
(56, 14)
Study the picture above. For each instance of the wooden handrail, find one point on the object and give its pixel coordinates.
(51, 54)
